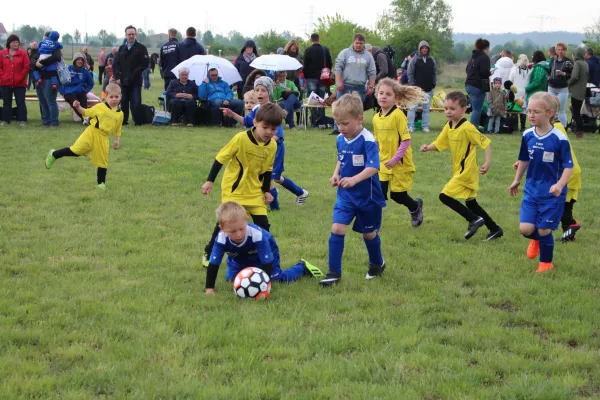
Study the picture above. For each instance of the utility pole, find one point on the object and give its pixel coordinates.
(543, 18)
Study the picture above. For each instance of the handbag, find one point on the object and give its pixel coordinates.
(64, 75)
(327, 78)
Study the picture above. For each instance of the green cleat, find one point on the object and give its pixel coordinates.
(101, 186)
(50, 159)
(311, 270)
(205, 261)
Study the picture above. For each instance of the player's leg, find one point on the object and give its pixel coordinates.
(368, 222)
(209, 246)
(385, 185)
(475, 221)
(342, 216)
(300, 193)
(101, 178)
(54, 155)
(569, 225)
(495, 231)
(233, 269)
(548, 221)
(528, 216)
(295, 272)
(261, 220)
(274, 205)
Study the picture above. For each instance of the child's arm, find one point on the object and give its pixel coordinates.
(77, 106)
(356, 179)
(428, 147)
(212, 175)
(335, 178)
(488, 160)
(266, 187)
(404, 145)
(228, 113)
(513, 189)
(557, 188)
(216, 256)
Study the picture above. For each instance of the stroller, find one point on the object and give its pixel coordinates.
(590, 111)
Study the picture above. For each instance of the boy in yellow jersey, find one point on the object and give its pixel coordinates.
(462, 138)
(105, 119)
(247, 180)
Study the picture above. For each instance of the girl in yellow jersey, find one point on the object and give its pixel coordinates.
(390, 128)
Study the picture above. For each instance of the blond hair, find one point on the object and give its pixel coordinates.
(230, 211)
(113, 88)
(406, 96)
(561, 44)
(289, 45)
(249, 94)
(549, 100)
(349, 104)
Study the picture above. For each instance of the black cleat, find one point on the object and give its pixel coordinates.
(374, 271)
(330, 279)
(494, 235)
(473, 227)
(569, 233)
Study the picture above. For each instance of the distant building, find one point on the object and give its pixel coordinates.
(3, 33)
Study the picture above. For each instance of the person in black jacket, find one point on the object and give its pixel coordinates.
(558, 81)
(477, 83)
(189, 47)
(131, 60)
(242, 64)
(182, 94)
(593, 67)
(316, 57)
(89, 61)
(169, 57)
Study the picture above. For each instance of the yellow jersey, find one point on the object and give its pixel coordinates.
(247, 161)
(575, 179)
(104, 119)
(463, 140)
(389, 130)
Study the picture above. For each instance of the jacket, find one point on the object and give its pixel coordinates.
(314, 61)
(169, 58)
(294, 76)
(422, 70)
(49, 64)
(278, 90)
(212, 91)
(89, 61)
(478, 68)
(384, 66)
(14, 70)
(241, 64)
(520, 78)
(356, 67)
(538, 79)
(502, 69)
(496, 102)
(129, 64)
(175, 86)
(579, 76)
(189, 48)
(35, 54)
(593, 70)
(559, 82)
(82, 81)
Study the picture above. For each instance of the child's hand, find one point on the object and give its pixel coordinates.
(227, 112)
(76, 104)
(516, 165)
(268, 198)
(207, 187)
(556, 189)
(209, 292)
(484, 168)
(117, 143)
(389, 164)
(347, 182)
(334, 180)
(514, 188)
(424, 148)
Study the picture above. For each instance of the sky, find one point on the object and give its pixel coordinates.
(495, 17)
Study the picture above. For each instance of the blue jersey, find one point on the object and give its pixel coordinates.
(47, 46)
(257, 248)
(354, 156)
(548, 157)
(249, 123)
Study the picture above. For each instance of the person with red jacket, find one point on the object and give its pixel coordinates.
(14, 70)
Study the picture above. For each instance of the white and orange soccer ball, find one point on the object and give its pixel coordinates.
(252, 283)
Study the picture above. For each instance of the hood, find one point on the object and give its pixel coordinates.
(421, 44)
(189, 40)
(54, 36)
(579, 54)
(76, 56)
(505, 62)
(249, 43)
(376, 49)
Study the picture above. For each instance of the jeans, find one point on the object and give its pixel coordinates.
(235, 105)
(31, 82)
(412, 112)
(349, 89)
(314, 85)
(563, 97)
(185, 107)
(494, 124)
(146, 77)
(132, 97)
(7, 94)
(48, 106)
(289, 105)
(81, 97)
(477, 96)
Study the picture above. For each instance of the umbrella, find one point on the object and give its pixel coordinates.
(276, 62)
(199, 66)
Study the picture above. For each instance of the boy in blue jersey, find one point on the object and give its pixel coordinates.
(248, 245)
(359, 195)
(263, 89)
(546, 155)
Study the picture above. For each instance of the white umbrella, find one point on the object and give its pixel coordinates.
(276, 62)
(199, 66)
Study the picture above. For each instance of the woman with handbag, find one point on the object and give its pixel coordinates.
(14, 70)
(477, 83)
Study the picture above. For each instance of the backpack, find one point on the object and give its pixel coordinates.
(389, 51)
(509, 124)
(142, 114)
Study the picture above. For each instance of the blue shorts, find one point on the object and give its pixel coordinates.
(544, 215)
(366, 219)
(234, 268)
(278, 165)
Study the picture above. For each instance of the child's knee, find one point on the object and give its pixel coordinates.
(280, 180)
(526, 229)
(370, 236)
(338, 229)
(544, 232)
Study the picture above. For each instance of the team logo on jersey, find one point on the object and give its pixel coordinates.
(340, 157)
(358, 160)
(548, 156)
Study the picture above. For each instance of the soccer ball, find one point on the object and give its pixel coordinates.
(252, 283)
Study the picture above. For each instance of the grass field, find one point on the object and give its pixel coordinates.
(101, 293)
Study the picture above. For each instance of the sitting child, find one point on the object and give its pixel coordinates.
(46, 48)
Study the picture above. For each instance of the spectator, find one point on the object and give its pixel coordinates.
(551, 53)
(130, 61)
(384, 66)
(189, 47)
(101, 65)
(242, 64)
(14, 70)
(254, 75)
(354, 69)
(593, 67)
(82, 82)
(538, 77)
(519, 76)
(404, 67)
(108, 74)
(146, 77)
(503, 66)
(47, 48)
(422, 72)
(33, 57)
(45, 89)
(182, 94)
(558, 82)
(153, 61)
(219, 94)
(292, 49)
(286, 94)
(316, 57)
(477, 83)
(578, 88)
(169, 57)
(112, 54)
(89, 61)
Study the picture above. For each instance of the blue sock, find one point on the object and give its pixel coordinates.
(292, 187)
(336, 249)
(535, 235)
(546, 248)
(374, 250)
(291, 274)
(275, 203)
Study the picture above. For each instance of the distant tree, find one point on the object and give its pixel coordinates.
(270, 41)
(93, 41)
(28, 33)
(179, 36)
(208, 38)
(385, 26)
(77, 36)
(103, 37)
(336, 33)
(67, 38)
(236, 39)
(406, 41)
(222, 40)
(592, 36)
(151, 32)
(42, 29)
(111, 39)
(141, 36)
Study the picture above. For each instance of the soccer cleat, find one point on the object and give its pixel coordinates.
(311, 270)
(473, 227)
(425, 129)
(50, 159)
(494, 235)
(569, 233)
(533, 250)
(205, 260)
(302, 198)
(54, 88)
(544, 266)
(101, 186)
(416, 217)
(330, 279)
(374, 271)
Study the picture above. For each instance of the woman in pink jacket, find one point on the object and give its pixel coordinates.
(14, 70)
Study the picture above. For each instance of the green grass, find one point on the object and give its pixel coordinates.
(101, 294)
